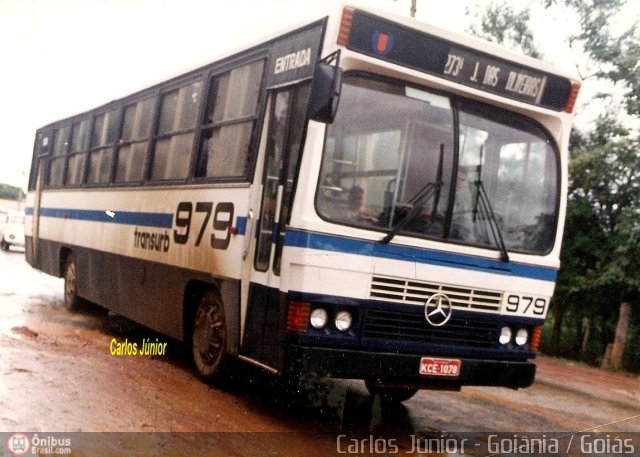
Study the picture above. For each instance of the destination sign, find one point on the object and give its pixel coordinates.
(377, 37)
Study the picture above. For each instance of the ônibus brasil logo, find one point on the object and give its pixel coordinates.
(18, 444)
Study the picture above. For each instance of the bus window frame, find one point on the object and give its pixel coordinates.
(126, 103)
(258, 119)
(118, 110)
(163, 90)
(50, 157)
(456, 101)
(155, 93)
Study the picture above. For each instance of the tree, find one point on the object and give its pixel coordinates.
(8, 192)
(605, 177)
(610, 56)
(601, 244)
(605, 169)
(500, 23)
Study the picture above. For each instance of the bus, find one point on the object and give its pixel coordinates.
(363, 196)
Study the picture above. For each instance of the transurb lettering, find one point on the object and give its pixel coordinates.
(292, 61)
(524, 84)
(151, 241)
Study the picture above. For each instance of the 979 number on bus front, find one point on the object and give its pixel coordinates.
(525, 305)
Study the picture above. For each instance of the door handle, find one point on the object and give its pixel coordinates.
(248, 234)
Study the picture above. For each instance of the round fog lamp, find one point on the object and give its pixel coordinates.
(505, 335)
(521, 337)
(319, 318)
(343, 321)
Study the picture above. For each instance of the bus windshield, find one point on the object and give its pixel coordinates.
(391, 162)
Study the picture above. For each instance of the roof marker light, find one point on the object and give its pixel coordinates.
(573, 96)
(345, 26)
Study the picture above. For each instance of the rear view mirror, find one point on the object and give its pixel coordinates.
(325, 90)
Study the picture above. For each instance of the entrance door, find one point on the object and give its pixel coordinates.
(266, 311)
(35, 218)
(41, 153)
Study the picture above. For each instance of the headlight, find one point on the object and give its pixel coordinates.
(319, 318)
(505, 335)
(522, 337)
(343, 321)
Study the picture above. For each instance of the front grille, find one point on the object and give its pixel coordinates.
(418, 292)
(411, 327)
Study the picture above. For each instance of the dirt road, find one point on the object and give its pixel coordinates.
(58, 374)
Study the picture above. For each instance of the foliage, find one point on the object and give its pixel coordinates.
(8, 192)
(601, 246)
(499, 22)
(605, 170)
(611, 56)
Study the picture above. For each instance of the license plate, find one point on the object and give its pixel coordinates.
(439, 367)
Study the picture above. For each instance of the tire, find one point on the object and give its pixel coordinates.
(209, 336)
(71, 299)
(4, 245)
(390, 394)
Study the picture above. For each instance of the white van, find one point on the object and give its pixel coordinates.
(12, 233)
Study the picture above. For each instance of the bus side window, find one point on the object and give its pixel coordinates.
(229, 125)
(57, 164)
(178, 113)
(41, 150)
(134, 141)
(77, 153)
(105, 134)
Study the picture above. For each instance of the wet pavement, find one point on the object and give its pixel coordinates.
(58, 374)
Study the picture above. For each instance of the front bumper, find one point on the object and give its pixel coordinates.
(402, 369)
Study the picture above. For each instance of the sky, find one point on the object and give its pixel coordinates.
(63, 57)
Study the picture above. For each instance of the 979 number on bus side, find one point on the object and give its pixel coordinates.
(197, 216)
(525, 305)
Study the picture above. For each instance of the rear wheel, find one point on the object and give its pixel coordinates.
(71, 299)
(390, 394)
(209, 337)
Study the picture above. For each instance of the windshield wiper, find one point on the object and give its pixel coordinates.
(483, 200)
(418, 199)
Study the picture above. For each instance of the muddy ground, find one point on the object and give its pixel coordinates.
(57, 374)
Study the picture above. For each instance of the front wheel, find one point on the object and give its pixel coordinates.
(390, 394)
(209, 337)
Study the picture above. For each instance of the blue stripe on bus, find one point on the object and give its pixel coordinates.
(241, 224)
(159, 220)
(333, 243)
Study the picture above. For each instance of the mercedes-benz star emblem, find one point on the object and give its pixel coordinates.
(438, 310)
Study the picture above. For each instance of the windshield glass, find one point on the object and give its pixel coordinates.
(390, 163)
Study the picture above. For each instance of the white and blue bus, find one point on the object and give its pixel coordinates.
(364, 196)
